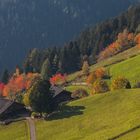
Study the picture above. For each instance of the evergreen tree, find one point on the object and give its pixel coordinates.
(63, 60)
(40, 97)
(55, 64)
(5, 77)
(138, 29)
(46, 70)
(28, 68)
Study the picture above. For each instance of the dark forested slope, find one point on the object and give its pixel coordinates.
(28, 24)
(90, 42)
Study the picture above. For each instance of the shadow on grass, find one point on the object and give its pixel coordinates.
(67, 112)
(125, 133)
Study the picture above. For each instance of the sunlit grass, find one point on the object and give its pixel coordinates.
(14, 131)
(129, 69)
(98, 117)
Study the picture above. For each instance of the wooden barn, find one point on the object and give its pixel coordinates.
(11, 110)
(60, 95)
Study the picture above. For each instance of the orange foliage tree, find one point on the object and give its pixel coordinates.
(19, 83)
(91, 78)
(124, 41)
(137, 40)
(97, 74)
(100, 72)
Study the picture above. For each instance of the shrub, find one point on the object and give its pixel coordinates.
(137, 85)
(120, 83)
(79, 93)
(35, 115)
(44, 115)
(100, 86)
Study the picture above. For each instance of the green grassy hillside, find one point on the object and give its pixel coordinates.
(130, 53)
(99, 117)
(129, 68)
(114, 115)
(126, 64)
(14, 131)
(73, 88)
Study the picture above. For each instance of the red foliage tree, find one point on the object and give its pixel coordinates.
(58, 78)
(1, 88)
(19, 83)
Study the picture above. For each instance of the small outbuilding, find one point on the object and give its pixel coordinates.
(60, 96)
(10, 110)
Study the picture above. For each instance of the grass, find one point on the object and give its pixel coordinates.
(14, 131)
(99, 117)
(129, 68)
(73, 88)
(110, 61)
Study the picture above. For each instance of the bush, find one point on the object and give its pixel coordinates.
(35, 115)
(100, 86)
(137, 85)
(44, 115)
(80, 93)
(120, 83)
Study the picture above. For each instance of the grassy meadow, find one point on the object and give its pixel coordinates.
(129, 68)
(15, 131)
(99, 117)
(130, 53)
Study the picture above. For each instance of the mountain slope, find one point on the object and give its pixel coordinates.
(90, 43)
(129, 69)
(123, 64)
(99, 117)
(15, 131)
(28, 24)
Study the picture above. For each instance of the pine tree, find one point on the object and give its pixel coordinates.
(40, 97)
(46, 70)
(5, 77)
(63, 60)
(55, 64)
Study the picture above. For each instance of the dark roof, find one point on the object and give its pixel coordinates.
(5, 104)
(56, 90)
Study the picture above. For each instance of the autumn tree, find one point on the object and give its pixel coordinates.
(2, 85)
(124, 41)
(100, 72)
(85, 68)
(19, 84)
(137, 38)
(120, 83)
(91, 78)
(55, 79)
(100, 86)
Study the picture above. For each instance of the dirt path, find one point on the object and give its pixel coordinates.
(32, 128)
